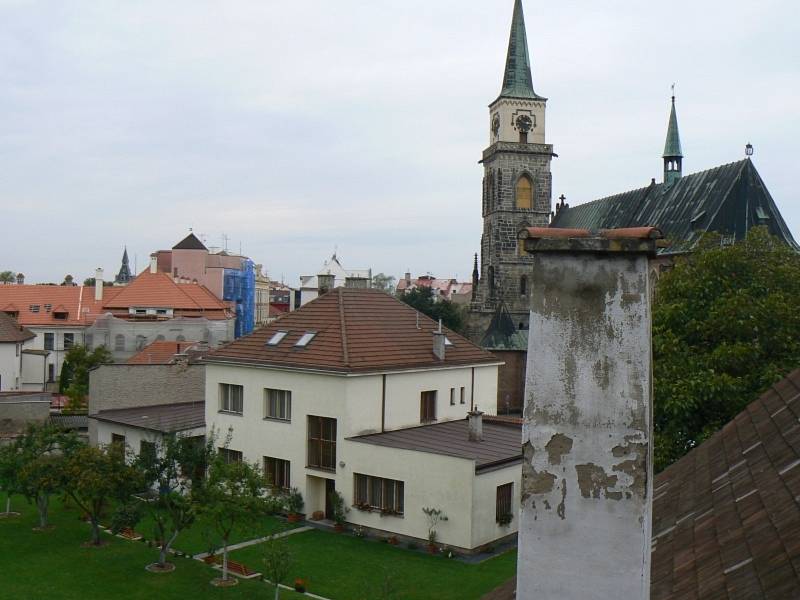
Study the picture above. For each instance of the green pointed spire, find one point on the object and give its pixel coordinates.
(672, 147)
(517, 81)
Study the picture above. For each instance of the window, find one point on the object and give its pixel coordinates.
(230, 456)
(48, 307)
(322, 443)
(523, 286)
(119, 342)
(231, 398)
(89, 341)
(427, 407)
(141, 342)
(377, 493)
(69, 340)
(51, 373)
(452, 396)
(463, 398)
(34, 308)
(447, 341)
(49, 341)
(491, 281)
(524, 192)
(278, 404)
(503, 508)
(117, 440)
(60, 315)
(180, 338)
(147, 451)
(305, 339)
(276, 338)
(277, 473)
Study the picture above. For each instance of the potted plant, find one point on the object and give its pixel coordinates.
(434, 516)
(294, 505)
(392, 540)
(505, 519)
(299, 586)
(339, 511)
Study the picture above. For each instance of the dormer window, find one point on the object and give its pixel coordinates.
(34, 308)
(48, 307)
(276, 338)
(305, 339)
(60, 315)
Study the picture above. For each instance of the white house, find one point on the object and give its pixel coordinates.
(357, 392)
(332, 275)
(16, 343)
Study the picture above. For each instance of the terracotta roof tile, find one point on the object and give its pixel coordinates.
(357, 330)
(77, 301)
(161, 352)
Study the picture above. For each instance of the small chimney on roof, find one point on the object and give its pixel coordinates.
(356, 282)
(20, 279)
(439, 342)
(475, 425)
(98, 284)
(153, 263)
(326, 283)
(407, 277)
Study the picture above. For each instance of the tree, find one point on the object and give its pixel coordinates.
(7, 277)
(42, 451)
(277, 561)
(96, 476)
(10, 464)
(422, 299)
(232, 494)
(167, 471)
(74, 381)
(383, 282)
(725, 327)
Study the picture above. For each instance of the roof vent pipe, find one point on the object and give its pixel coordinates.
(475, 425)
(98, 284)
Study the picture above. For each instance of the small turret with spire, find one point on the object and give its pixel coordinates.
(673, 156)
(124, 275)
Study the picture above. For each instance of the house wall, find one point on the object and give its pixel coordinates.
(10, 366)
(133, 435)
(56, 356)
(511, 380)
(485, 528)
(445, 483)
(18, 411)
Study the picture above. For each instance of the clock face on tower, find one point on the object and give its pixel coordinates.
(496, 125)
(524, 123)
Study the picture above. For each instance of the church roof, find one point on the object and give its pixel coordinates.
(672, 147)
(190, 242)
(729, 199)
(502, 333)
(517, 79)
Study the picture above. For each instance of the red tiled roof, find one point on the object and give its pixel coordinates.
(357, 330)
(161, 352)
(76, 300)
(11, 331)
(637, 233)
(160, 290)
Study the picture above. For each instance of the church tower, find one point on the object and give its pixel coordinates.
(673, 157)
(516, 186)
(124, 276)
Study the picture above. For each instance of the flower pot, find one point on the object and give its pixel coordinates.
(338, 527)
(293, 518)
(432, 549)
(299, 586)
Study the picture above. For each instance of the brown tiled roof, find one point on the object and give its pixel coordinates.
(166, 418)
(357, 330)
(501, 445)
(161, 352)
(11, 331)
(726, 517)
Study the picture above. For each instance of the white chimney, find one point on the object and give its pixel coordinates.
(475, 425)
(439, 342)
(98, 284)
(153, 263)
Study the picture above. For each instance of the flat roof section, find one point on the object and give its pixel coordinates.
(166, 418)
(501, 445)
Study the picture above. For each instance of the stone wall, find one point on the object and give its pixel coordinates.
(511, 381)
(18, 410)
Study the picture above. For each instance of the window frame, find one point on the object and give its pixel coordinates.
(231, 456)
(452, 396)
(427, 406)
(280, 469)
(71, 339)
(226, 399)
(51, 336)
(321, 435)
(463, 395)
(284, 399)
(379, 494)
(504, 503)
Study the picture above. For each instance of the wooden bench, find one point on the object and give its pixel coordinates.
(236, 568)
(129, 534)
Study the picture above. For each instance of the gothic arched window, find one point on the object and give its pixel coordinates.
(491, 281)
(524, 192)
(119, 342)
(523, 286)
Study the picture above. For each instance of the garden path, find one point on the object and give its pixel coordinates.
(260, 540)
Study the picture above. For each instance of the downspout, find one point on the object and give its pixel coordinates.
(383, 405)
(472, 391)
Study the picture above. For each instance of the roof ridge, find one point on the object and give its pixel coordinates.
(343, 325)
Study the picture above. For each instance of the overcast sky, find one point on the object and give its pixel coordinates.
(298, 127)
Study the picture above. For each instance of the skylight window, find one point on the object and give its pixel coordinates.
(276, 338)
(447, 341)
(307, 337)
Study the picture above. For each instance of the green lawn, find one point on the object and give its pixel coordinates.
(344, 567)
(202, 535)
(53, 565)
